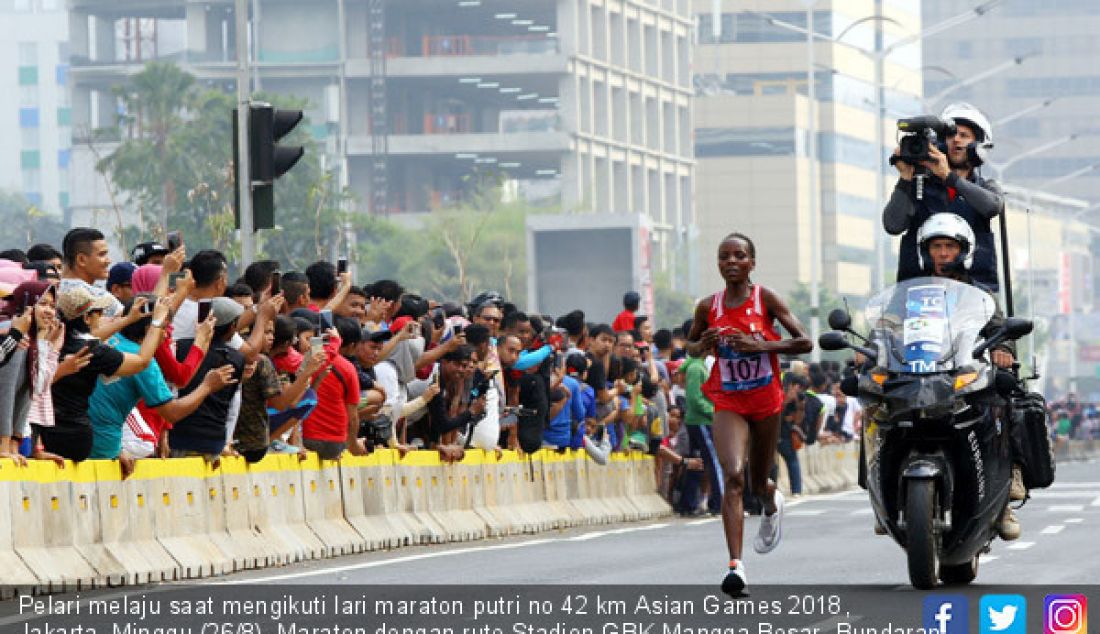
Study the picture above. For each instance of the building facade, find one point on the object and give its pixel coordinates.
(35, 117)
(583, 104)
(753, 128)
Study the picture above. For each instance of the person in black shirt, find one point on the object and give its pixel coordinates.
(203, 433)
(71, 436)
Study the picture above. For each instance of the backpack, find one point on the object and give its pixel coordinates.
(531, 425)
(1031, 446)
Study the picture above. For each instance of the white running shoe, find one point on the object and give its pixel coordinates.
(771, 528)
(735, 582)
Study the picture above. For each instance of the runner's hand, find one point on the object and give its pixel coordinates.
(742, 343)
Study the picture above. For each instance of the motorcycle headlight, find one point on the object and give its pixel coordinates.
(965, 378)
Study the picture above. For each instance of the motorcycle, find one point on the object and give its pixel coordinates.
(935, 447)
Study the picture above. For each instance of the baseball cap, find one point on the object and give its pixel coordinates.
(77, 300)
(225, 311)
(121, 273)
(142, 252)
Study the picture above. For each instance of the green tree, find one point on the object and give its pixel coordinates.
(175, 162)
(670, 308)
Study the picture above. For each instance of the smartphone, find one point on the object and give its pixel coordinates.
(91, 344)
(173, 280)
(147, 308)
(175, 240)
(341, 266)
(326, 319)
(316, 344)
(204, 309)
(276, 283)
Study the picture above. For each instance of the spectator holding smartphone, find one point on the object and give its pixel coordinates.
(203, 432)
(82, 311)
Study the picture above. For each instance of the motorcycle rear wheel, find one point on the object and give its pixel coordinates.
(960, 574)
(922, 537)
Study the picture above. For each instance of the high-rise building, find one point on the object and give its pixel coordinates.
(34, 110)
(582, 103)
(1059, 40)
(753, 129)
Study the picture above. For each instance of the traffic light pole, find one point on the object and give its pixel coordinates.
(244, 179)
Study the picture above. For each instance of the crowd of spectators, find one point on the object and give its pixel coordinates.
(167, 356)
(1072, 419)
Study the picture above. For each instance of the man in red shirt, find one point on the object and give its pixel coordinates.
(334, 424)
(625, 320)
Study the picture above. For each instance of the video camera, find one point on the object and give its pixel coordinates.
(914, 146)
(920, 134)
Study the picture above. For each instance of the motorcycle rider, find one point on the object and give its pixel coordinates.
(955, 186)
(946, 249)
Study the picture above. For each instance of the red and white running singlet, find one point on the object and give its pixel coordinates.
(747, 384)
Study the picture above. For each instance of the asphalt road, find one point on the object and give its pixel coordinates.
(827, 540)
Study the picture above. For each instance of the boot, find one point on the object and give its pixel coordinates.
(1008, 527)
(1017, 492)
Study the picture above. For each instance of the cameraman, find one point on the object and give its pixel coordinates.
(953, 185)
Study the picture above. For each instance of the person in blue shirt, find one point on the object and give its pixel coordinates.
(113, 399)
(560, 430)
(576, 367)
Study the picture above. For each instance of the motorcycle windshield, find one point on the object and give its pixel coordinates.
(928, 324)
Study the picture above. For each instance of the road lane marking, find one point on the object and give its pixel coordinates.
(1052, 530)
(1095, 502)
(1021, 545)
(985, 559)
(1075, 485)
(432, 555)
(1069, 508)
(866, 511)
(806, 512)
(706, 520)
(1074, 520)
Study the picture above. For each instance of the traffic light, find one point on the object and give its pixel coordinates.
(267, 159)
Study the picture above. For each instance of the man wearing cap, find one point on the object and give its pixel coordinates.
(118, 281)
(204, 431)
(149, 253)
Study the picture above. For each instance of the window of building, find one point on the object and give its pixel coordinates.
(30, 160)
(28, 75)
(28, 117)
(63, 159)
(28, 54)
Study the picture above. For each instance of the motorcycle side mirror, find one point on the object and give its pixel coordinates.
(832, 341)
(849, 386)
(839, 319)
(1015, 328)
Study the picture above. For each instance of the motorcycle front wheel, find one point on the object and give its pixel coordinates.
(922, 537)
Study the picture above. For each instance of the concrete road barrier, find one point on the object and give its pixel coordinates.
(83, 526)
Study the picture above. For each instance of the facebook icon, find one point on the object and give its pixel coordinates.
(946, 614)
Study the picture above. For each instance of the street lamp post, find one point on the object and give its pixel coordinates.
(813, 189)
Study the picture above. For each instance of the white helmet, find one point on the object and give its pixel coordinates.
(946, 225)
(968, 115)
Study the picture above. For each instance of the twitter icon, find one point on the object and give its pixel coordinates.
(1003, 614)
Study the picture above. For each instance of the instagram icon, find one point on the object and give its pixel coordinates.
(1065, 614)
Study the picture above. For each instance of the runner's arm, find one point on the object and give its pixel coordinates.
(800, 342)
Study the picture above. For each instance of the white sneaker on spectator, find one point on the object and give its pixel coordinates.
(771, 528)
